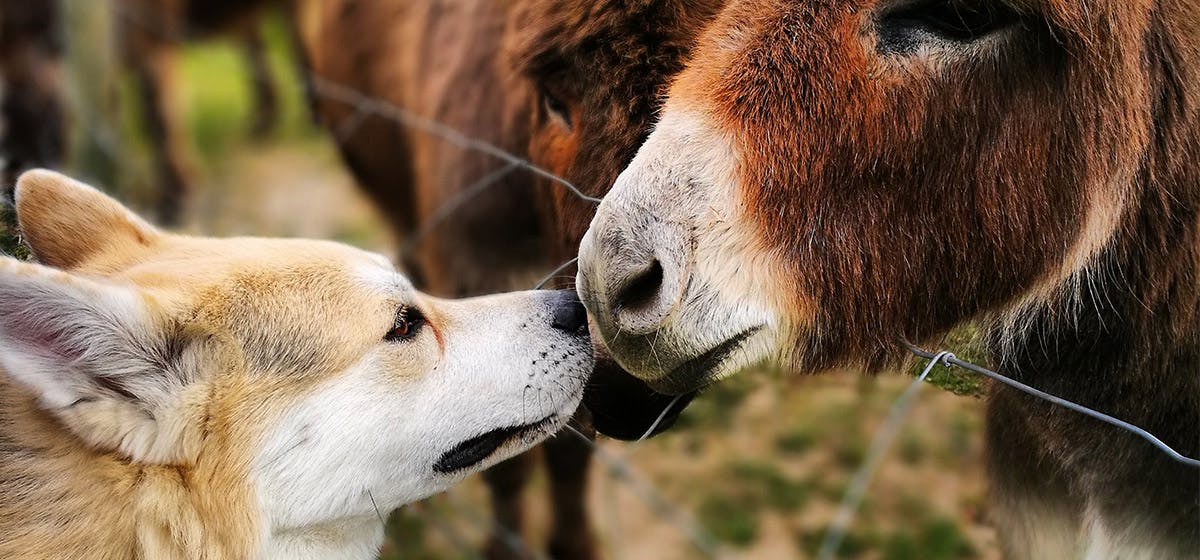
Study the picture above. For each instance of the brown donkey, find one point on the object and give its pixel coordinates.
(572, 86)
(828, 178)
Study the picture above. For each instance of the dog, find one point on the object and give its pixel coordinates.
(167, 396)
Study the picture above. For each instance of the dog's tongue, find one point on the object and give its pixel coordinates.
(473, 451)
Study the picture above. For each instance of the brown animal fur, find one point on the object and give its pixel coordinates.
(1045, 179)
(187, 419)
(498, 72)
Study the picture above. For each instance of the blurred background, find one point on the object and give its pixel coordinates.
(755, 468)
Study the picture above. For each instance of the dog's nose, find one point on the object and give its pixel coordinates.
(567, 313)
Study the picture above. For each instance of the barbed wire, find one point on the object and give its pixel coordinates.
(363, 103)
(887, 434)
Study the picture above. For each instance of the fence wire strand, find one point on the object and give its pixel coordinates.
(880, 444)
(1128, 427)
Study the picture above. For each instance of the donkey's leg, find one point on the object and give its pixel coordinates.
(1032, 507)
(506, 483)
(568, 458)
(152, 73)
(266, 99)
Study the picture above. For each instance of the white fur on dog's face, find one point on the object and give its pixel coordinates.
(268, 373)
(498, 365)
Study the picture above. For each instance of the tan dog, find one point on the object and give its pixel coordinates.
(164, 396)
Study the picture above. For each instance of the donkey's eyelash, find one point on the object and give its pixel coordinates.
(902, 29)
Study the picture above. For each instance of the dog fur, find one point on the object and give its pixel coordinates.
(164, 396)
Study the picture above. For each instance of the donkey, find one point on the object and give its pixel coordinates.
(830, 178)
(572, 87)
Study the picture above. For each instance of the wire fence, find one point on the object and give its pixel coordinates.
(617, 466)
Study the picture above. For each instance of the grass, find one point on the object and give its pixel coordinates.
(748, 489)
(796, 441)
(10, 239)
(936, 539)
(966, 344)
(729, 520)
(715, 408)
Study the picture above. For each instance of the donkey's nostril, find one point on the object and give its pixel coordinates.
(568, 313)
(641, 288)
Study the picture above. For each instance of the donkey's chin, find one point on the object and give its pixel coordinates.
(676, 365)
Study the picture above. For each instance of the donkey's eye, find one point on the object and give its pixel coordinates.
(911, 24)
(555, 107)
(408, 323)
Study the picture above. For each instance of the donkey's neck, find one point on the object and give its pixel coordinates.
(1126, 327)
(1125, 340)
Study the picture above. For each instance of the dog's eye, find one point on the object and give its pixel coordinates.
(957, 21)
(555, 107)
(408, 323)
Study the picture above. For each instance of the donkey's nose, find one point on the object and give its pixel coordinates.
(637, 293)
(567, 313)
(626, 281)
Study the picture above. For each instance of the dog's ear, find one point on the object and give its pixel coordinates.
(66, 222)
(94, 356)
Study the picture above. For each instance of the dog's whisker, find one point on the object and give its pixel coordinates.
(376, 506)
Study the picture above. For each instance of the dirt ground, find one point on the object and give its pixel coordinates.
(756, 465)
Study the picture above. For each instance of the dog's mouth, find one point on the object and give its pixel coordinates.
(475, 450)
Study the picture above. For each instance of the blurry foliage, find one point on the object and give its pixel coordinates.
(747, 489)
(406, 531)
(215, 93)
(714, 408)
(912, 448)
(729, 520)
(212, 91)
(936, 539)
(796, 440)
(10, 238)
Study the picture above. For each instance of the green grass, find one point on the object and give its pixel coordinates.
(729, 520)
(715, 407)
(797, 440)
(10, 240)
(854, 544)
(212, 97)
(216, 96)
(406, 538)
(966, 344)
(747, 489)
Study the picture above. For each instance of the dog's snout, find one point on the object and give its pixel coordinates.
(567, 313)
